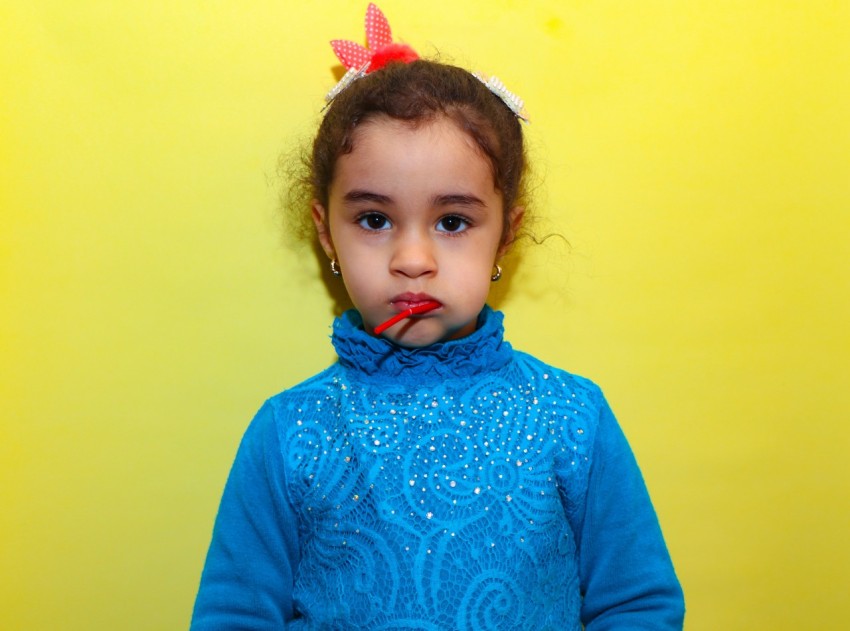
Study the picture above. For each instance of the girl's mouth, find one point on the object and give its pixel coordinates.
(406, 301)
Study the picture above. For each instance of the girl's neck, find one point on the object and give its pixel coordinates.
(365, 357)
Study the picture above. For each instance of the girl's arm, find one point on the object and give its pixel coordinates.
(627, 577)
(248, 575)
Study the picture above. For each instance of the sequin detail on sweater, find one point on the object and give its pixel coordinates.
(452, 505)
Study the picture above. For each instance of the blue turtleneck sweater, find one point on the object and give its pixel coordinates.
(460, 486)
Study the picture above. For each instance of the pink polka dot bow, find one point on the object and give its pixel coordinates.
(381, 51)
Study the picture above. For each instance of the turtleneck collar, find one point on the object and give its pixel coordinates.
(364, 355)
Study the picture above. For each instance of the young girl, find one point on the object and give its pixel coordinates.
(433, 477)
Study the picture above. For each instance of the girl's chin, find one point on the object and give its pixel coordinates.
(409, 334)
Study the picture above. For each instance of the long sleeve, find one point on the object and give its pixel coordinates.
(627, 577)
(247, 579)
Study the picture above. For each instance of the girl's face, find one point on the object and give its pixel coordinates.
(413, 216)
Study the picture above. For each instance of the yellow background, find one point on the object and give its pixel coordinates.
(696, 155)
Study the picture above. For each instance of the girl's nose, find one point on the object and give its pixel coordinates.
(413, 256)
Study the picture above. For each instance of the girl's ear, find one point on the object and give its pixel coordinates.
(514, 220)
(323, 229)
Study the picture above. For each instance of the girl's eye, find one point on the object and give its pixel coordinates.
(373, 221)
(452, 223)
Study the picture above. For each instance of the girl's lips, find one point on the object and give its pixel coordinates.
(404, 302)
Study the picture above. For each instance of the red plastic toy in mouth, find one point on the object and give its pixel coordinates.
(425, 307)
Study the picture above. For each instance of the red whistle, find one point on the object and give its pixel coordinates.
(425, 307)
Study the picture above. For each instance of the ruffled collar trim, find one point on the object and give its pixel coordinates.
(484, 350)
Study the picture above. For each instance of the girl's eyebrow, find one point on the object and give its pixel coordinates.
(449, 199)
(458, 199)
(358, 195)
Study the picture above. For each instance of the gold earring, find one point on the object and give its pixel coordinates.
(497, 273)
(335, 268)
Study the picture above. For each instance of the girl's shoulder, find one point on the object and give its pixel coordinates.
(556, 380)
(310, 389)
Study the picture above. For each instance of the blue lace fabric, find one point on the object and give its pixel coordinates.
(448, 505)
